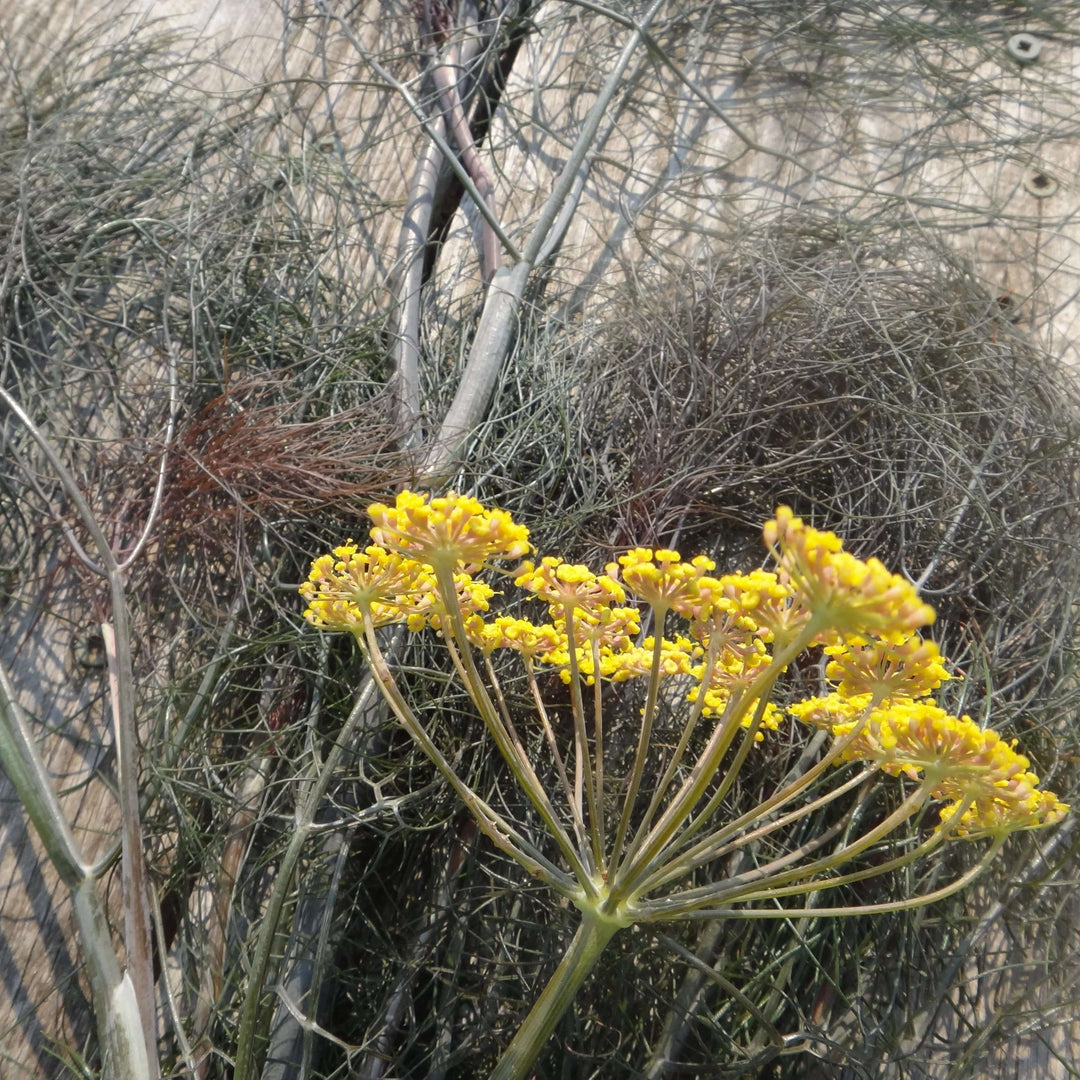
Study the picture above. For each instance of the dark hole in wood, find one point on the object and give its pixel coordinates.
(90, 650)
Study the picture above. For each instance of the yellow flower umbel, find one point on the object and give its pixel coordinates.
(628, 848)
(349, 584)
(900, 667)
(454, 529)
(662, 579)
(988, 785)
(844, 594)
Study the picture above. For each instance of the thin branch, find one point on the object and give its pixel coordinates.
(122, 683)
(159, 487)
(430, 129)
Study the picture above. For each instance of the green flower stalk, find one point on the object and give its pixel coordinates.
(720, 644)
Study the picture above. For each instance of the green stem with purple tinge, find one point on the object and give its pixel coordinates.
(595, 931)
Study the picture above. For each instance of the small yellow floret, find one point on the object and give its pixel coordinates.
(662, 579)
(569, 586)
(855, 597)
(451, 529)
(759, 596)
(908, 667)
(506, 632)
(344, 585)
(995, 816)
(429, 608)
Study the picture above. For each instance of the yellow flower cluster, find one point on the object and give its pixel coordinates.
(882, 672)
(634, 661)
(895, 667)
(996, 816)
(348, 583)
(394, 579)
(506, 632)
(662, 579)
(848, 595)
(453, 530)
(569, 587)
(971, 768)
(757, 601)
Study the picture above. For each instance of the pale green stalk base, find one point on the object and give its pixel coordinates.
(120, 1021)
(584, 950)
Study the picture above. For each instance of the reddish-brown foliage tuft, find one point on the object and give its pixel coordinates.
(249, 455)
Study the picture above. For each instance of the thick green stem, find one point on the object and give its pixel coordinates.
(588, 943)
(117, 636)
